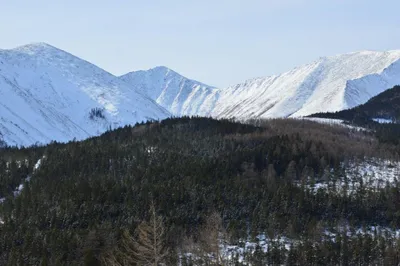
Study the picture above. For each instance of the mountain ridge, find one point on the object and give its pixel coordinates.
(331, 83)
(309, 76)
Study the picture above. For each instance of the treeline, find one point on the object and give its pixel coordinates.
(87, 197)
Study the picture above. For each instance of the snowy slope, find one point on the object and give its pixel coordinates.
(179, 95)
(328, 84)
(47, 94)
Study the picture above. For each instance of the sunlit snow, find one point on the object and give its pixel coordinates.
(383, 120)
(329, 84)
(46, 94)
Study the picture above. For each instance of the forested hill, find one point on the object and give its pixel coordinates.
(381, 114)
(87, 203)
(385, 105)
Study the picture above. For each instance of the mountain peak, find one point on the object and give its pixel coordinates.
(39, 49)
(34, 47)
(176, 93)
(161, 68)
(49, 94)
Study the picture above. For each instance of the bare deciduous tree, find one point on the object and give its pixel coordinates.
(145, 248)
(213, 237)
(209, 245)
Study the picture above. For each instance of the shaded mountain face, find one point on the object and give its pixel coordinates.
(385, 107)
(328, 84)
(47, 94)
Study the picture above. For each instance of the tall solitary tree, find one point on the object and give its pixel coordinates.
(148, 247)
(212, 236)
(145, 248)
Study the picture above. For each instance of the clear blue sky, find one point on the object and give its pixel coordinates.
(219, 42)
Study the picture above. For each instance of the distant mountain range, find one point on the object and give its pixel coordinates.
(48, 94)
(328, 84)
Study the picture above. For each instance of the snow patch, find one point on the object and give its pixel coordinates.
(330, 121)
(262, 242)
(38, 163)
(371, 173)
(20, 187)
(368, 230)
(383, 120)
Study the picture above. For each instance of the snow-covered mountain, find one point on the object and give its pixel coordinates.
(178, 94)
(47, 94)
(328, 84)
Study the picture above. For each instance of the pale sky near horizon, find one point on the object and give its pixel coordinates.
(217, 42)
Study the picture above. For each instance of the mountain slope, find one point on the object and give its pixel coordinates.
(380, 115)
(328, 84)
(383, 107)
(47, 94)
(178, 94)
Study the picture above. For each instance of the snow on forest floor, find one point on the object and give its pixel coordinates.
(20, 187)
(374, 172)
(369, 230)
(371, 173)
(240, 250)
(383, 120)
(263, 243)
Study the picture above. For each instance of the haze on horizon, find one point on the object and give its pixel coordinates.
(220, 43)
